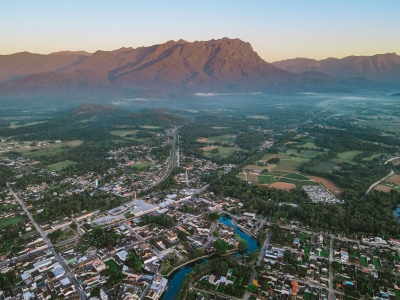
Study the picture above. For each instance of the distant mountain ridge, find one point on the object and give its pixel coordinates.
(175, 67)
(381, 67)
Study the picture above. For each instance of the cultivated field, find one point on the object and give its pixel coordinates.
(283, 186)
(330, 186)
(220, 138)
(49, 149)
(222, 151)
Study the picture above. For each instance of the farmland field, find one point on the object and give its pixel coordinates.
(296, 176)
(266, 179)
(324, 167)
(49, 149)
(220, 138)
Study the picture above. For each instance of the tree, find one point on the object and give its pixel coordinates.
(252, 288)
(336, 265)
(133, 261)
(243, 245)
(216, 233)
(221, 246)
(73, 226)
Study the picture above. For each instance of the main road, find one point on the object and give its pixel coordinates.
(50, 246)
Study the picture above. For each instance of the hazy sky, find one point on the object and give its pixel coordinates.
(277, 29)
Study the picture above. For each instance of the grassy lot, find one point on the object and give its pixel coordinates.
(111, 264)
(309, 145)
(324, 253)
(8, 206)
(304, 237)
(296, 176)
(223, 151)
(347, 156)
(259, 117)
(143, 165)
(324, 167)
(377, 263)
(49, 149)
(289, 163)
(61, 165)
(266, 179)
(222, 138)
(15, 124)
(123, 133)
(298, 182)
(10, 221)
(373, 156)
(364, 262)
(149, 127)
(310, 153)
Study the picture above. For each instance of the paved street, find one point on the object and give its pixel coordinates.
(51, 247)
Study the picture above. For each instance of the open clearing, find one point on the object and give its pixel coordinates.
(220, 138)
(149, 127)
(394, 179)
(143, 165)
(266, 179)
(309, 145)
(330, 186)
(61, 165)
(9, 221)
(209, 148)
(347, 156)
(259, 117)
(123, 133)
(283, 186)
(15, 125)
(223, 151)
(324, 167)
(49, 149)
(383, 188)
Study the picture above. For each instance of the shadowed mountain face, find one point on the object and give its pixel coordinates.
(381, 67)
(179, 67)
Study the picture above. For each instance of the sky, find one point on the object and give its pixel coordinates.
(277, 29)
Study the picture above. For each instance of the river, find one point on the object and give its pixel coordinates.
(175, 281)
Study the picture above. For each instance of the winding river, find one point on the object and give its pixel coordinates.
(175, 281)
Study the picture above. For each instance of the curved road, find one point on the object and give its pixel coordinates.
(50, 246)
(382, 179)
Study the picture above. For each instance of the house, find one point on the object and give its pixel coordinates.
(171, 237)
(86, 228)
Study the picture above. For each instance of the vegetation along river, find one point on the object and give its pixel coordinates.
(175, 281)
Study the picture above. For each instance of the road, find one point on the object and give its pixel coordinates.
(384, 178)
(211, 236)
(50, 246)
(331, 290)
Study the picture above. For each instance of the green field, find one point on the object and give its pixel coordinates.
(61, 165)
(143, 165)
(364, 262)
(324, 167)
(298, 182)
(289, 163)
(309, 145)
(266, 179)
(149, 127)
(377, 264)
(347, 156)
(222, 138)
(373, 156)
(223, 151)
(10, 221)
(296, 176)
(123, 133)
(49, 149)
(112, 265)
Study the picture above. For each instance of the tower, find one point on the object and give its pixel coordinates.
(97, 183)
(135, 202)
(187, 178)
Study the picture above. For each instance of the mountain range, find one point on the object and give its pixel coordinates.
(380, 67)
(180, 67)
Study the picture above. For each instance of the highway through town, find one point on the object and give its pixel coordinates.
(50, 246)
